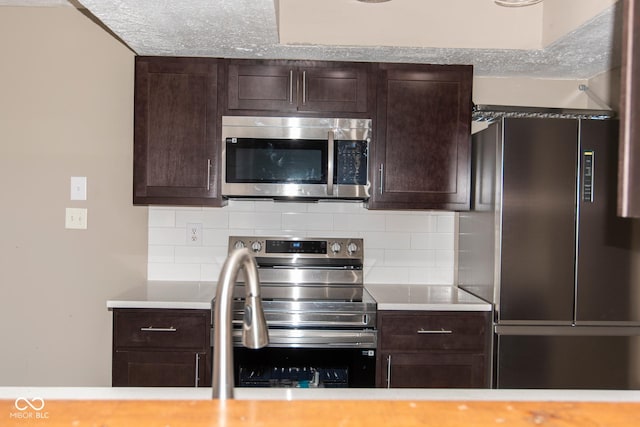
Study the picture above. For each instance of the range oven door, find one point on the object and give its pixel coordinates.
(305, 367)
(307, 357)
(273, 157)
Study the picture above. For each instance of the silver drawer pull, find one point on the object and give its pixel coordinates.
(389, 371)
(441, 331)
(152, 329)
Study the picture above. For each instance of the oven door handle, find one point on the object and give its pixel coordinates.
(313, 267)
(316, 338)
(358, 324)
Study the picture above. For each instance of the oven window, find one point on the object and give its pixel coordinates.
(304, 367)
(300, 161)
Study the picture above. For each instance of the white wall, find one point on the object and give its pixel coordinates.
(66, 109)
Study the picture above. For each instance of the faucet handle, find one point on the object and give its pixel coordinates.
(254, 331)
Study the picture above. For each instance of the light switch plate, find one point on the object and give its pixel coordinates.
(76, 218)
(78, 188)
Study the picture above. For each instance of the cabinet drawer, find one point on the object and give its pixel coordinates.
(433, 370)
(138, 368)
(175, 329)
(418, 331)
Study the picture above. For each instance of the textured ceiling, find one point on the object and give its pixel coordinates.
(248, 29)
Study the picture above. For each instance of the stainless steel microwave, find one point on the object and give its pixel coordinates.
(295, 157)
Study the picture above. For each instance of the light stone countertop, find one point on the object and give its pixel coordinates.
(198, 295)
(161, 294)
(425, 297)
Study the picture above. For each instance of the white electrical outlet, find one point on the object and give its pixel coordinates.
(194, 234)
(75, 218)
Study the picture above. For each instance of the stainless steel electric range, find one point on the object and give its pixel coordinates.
(321, 319)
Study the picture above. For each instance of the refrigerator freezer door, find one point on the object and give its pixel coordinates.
(568, 361)
(606, 291)
(538, 224)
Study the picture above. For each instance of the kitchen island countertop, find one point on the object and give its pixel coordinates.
(411, 409)
(198, 295)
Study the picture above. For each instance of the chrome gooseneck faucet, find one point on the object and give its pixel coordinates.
(254, 329)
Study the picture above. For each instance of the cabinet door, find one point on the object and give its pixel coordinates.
(432, 370)
(161, 369)
(161, 347)
(421, 156)
(175, 141)
(433, 349)
(290, 87)
(255, 86)
(339, 88)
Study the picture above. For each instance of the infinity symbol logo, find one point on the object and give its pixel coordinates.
(22, 404)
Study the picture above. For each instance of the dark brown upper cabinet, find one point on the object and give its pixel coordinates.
(293, 87)
(421, 153)
(176, 145)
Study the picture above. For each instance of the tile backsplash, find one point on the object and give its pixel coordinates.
(400, 246)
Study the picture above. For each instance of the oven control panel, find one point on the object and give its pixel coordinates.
(300, 247)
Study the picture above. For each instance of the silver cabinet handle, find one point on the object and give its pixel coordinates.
(197, 369)
(381, 178)
(434, 331)
(304, 87)
(290, 86)
(152, 329)
(331, 165)
(389, 371)
(208, 174)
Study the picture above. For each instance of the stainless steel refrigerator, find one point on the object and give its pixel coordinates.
(544, 244)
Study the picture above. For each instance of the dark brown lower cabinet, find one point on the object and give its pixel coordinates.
(433, 370)
(161, 369)
(419, 349)
(161, 348)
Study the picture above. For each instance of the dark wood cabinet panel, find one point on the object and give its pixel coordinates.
(161, 347)
(421, 156)
(332, 89)
(161, 369)
(291, 87)
(175, 141)
(260, 87)
(433, 349)
(174, 329)
(432, 370)
(445, 331)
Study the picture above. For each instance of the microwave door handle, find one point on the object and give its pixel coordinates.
(330, 166)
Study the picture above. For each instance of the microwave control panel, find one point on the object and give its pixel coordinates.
(351, 162)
